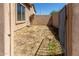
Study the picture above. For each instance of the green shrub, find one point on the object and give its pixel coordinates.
(54, 48)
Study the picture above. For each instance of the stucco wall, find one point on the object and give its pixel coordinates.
(8, 26)
(12, 26)
(4, 29)
(7, 29)
(75, 30)
(1, 29)
(28, 13)
(15, 26)
(42, 20)
(32, 10)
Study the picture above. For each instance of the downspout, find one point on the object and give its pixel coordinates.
(10, 25)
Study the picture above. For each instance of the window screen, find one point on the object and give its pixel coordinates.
(20, 12)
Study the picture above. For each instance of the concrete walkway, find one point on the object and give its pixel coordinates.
(34, 40)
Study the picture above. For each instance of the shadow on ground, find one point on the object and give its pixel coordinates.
(54, 31)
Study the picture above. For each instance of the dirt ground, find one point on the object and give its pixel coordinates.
(36, 40)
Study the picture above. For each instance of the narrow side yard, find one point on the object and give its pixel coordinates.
(36, 40)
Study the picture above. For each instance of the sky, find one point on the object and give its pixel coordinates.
(47, 8)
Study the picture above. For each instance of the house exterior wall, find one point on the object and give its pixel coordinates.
(15, 26)
(28, 13)
(8, 26)
(12, 27)
(42, 20)
(32, 10)
(7, 32)
(55, 20)
(1, 29)
(4, 29)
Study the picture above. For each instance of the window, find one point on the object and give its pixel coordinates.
(20, 12)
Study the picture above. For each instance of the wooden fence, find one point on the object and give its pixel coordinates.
(65, 28)
(55, 20)
(42, 20)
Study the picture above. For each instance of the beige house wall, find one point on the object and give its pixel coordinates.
(1, 29)
(15, 26)
(6, 29)
(28, 13)
(12, 27)
(32, 10)
(8, 25)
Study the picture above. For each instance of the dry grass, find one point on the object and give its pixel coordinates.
(28, 39)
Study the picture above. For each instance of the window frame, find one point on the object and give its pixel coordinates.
(20, 21)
